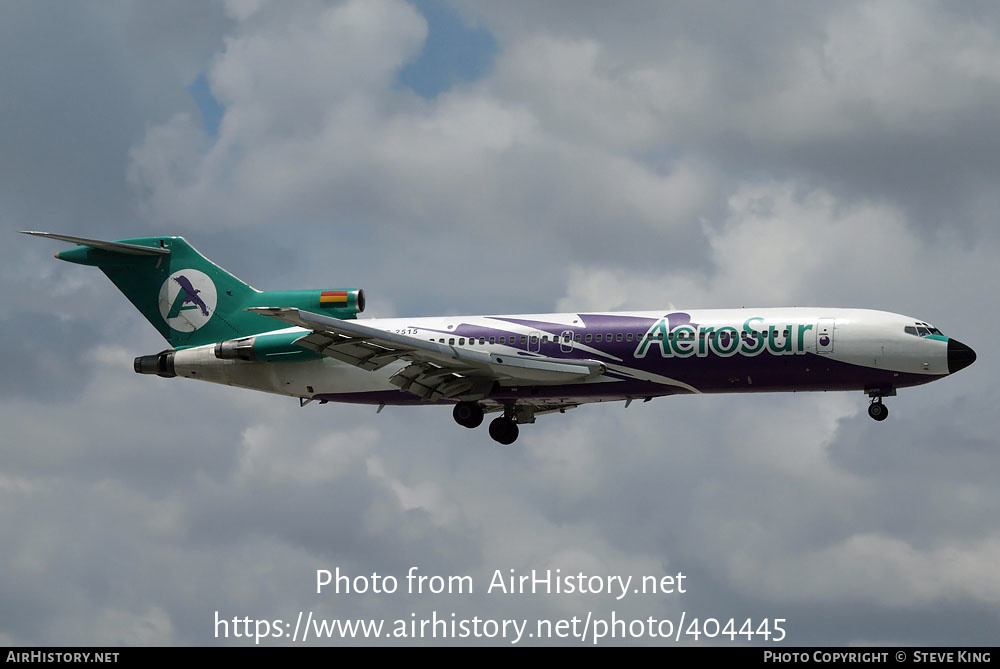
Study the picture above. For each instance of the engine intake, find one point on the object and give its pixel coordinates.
(236, 349)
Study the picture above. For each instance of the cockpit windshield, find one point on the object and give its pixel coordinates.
(922, 330)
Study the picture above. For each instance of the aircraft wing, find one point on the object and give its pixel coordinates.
(436, 370)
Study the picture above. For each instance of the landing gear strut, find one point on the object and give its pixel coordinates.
(503, 429)
(877, 410)
(468, 414)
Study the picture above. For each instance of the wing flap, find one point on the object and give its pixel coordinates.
(352, 350)
(437, 370)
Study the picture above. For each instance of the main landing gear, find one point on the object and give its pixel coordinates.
(877, 409)
(503, 430)
(468, 414)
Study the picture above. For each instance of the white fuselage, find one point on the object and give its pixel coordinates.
(646, 353)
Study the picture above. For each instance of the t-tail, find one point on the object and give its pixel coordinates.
(190, 300)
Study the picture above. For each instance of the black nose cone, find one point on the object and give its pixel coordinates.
(960, 356)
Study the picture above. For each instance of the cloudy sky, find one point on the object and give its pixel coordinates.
(468, 157)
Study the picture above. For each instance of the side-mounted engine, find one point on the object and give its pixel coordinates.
(265, 346)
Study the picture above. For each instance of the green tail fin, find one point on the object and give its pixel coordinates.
(189, 299)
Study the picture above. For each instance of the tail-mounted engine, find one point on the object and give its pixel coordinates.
(161, 364)
(342, 303)
(265, 348)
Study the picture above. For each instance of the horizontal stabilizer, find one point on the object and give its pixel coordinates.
(115, 247)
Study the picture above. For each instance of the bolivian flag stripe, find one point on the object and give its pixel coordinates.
(330, 298)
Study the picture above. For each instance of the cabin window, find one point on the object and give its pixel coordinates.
(482, 340)
(534, 339)
(578, 338)
(590, 338)
(451, 341)
(618, 337)
(461, 341)
(545, 339)
(524, 340)
(598, 337)
(628, 337)
(493, 340)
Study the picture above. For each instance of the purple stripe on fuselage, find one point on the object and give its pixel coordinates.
(388, 397)
(713, 374)
(584, 392)
(592, 323)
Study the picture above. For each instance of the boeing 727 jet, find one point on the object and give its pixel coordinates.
(309, 344)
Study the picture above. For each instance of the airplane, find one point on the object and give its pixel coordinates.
(309, 344)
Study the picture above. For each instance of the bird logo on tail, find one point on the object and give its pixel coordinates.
(187, 300)
(190, 294)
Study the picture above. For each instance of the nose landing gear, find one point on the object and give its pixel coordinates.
(877, 410)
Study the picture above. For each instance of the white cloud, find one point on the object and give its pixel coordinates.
(270, 458)
(880, 569)
(782, 245)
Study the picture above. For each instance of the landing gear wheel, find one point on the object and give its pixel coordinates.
(468, 414)
(503, 430)
(878, 411)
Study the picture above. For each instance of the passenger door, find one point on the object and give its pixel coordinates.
(824, 335)
(566, 341)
